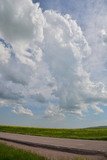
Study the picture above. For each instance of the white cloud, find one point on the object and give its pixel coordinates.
(43, 60)
(22, 110)
(53, 111)
(4, 54)
(103, 36)
(38, 97)
(97, 109)
(15, 19)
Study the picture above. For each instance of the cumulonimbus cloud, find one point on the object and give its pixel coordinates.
(41, 61)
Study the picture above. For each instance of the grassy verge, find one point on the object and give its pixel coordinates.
(10, 153)
(91, 133)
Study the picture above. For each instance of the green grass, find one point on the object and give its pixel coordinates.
(91, 133)
(10, 153)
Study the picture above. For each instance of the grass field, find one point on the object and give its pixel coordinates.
(10, 153)
(91, 133)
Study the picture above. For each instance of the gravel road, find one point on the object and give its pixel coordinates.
(77, 147)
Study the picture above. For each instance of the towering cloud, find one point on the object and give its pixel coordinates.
(42, 57)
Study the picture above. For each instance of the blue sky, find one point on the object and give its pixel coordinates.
(53, 63)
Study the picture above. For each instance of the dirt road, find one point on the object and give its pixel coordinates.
(57, 147)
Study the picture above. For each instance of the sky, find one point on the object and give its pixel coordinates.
(53, 63)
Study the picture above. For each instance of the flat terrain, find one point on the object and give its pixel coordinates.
(79, 147)
(89, 134)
